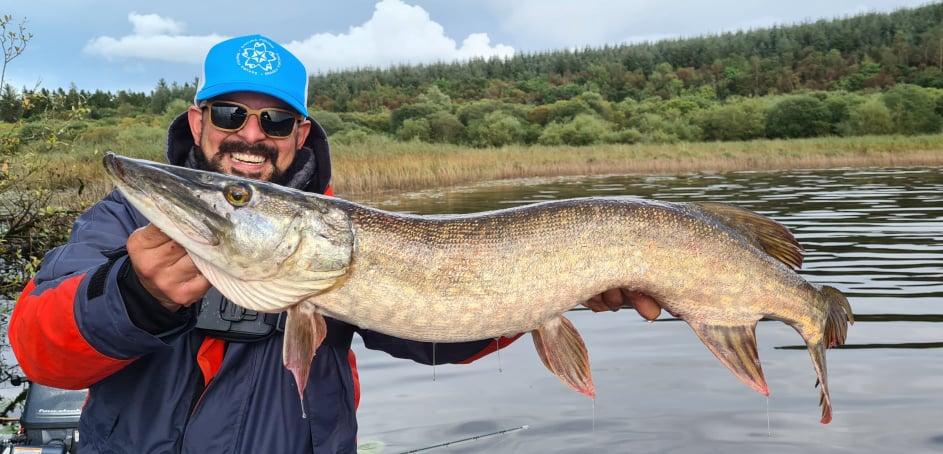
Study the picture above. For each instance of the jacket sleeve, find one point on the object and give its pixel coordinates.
(70, 327)
(433, 353)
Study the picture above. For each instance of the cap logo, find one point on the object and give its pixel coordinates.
(257, 57)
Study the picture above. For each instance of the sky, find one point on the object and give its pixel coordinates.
(122, 44)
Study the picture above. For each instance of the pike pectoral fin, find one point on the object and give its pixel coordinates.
(563, 352)
(304, 331)
(735, 346)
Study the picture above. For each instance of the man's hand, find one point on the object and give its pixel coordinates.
(165, 269)
(615, 298)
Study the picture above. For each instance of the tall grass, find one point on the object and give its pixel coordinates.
(380, 165)
(392, 166)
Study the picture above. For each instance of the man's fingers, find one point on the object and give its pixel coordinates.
(149, 237)
(612, 298)
(646, 306)
(595, 304)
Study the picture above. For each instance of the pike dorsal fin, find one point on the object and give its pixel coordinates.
(764, 233)
(304, 331)
(563, 352)
(735, 347)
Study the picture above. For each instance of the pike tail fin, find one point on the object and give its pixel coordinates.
(735, 347)
(838, 316)
(562, 350)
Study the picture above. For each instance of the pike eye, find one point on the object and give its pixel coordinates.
(238, 195)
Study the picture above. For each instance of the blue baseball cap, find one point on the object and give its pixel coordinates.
(254, 63)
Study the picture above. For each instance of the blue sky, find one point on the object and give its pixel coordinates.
(112, 44)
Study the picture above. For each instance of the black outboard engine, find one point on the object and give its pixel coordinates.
(50, 422)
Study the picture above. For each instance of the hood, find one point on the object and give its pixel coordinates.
(311, 170)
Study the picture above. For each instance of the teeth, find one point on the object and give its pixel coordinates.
(249, 158)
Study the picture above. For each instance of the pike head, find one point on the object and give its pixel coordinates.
(263, 246)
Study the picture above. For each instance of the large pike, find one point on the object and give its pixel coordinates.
(481, 276)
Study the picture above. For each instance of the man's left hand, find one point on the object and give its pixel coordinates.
(617, 298)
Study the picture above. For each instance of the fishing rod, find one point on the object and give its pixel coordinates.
(463, 440)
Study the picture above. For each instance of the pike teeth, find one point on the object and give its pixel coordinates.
(248, 158)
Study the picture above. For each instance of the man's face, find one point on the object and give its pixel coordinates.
(247, 152)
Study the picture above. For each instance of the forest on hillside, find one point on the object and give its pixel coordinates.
(862, 75)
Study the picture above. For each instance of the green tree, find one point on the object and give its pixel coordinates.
(584, 129)
(733, 121)
(330, 121)
(445, 127)
(414, 129)
(913, 109)
(496, 129)
(798, 116)
(867, 118)
(11, 108)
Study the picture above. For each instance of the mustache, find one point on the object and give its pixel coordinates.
(259, 149)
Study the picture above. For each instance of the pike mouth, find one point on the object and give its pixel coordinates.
(168, 198)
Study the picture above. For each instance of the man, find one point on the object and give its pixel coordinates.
(113, 310)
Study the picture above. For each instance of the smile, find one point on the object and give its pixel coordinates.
(248, 158)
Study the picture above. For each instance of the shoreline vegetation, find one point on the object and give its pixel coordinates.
(385, 166)
(393, 167)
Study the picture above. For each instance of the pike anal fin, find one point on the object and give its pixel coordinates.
(562, 350)
(304, 331)
(735, 347)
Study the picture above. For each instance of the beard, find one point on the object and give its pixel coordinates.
(229, 147)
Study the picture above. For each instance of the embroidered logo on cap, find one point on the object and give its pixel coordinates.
(256, 57)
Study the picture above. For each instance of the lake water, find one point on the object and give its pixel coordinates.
(877, 234)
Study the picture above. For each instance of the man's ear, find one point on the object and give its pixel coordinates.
(195, 118)
(304, 128)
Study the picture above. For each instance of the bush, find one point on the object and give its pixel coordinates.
(330, 121)
(378, 121)
(353, 136)
(410, 111)
(583, 130)
(734, 121)
(98, 135)
(445, 127)
(913, 110)
(496, 129)
(174, 109)
(414, 129)
(798, 116)
(476, 110)
(869, 117)
(628, 136)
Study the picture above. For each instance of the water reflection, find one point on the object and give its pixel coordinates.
(874, 233)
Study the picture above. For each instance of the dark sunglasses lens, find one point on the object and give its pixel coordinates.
(227, 116)
(277, 123)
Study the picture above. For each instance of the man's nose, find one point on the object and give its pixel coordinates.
(252, 132)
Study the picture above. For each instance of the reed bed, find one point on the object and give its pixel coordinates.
(382, 166)
(391, 166)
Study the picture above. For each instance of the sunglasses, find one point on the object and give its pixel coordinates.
(232, 116)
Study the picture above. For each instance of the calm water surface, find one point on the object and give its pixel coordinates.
(876, 234)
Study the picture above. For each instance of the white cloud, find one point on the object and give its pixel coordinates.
(152, 24)
(154, 38)
(396, 33)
